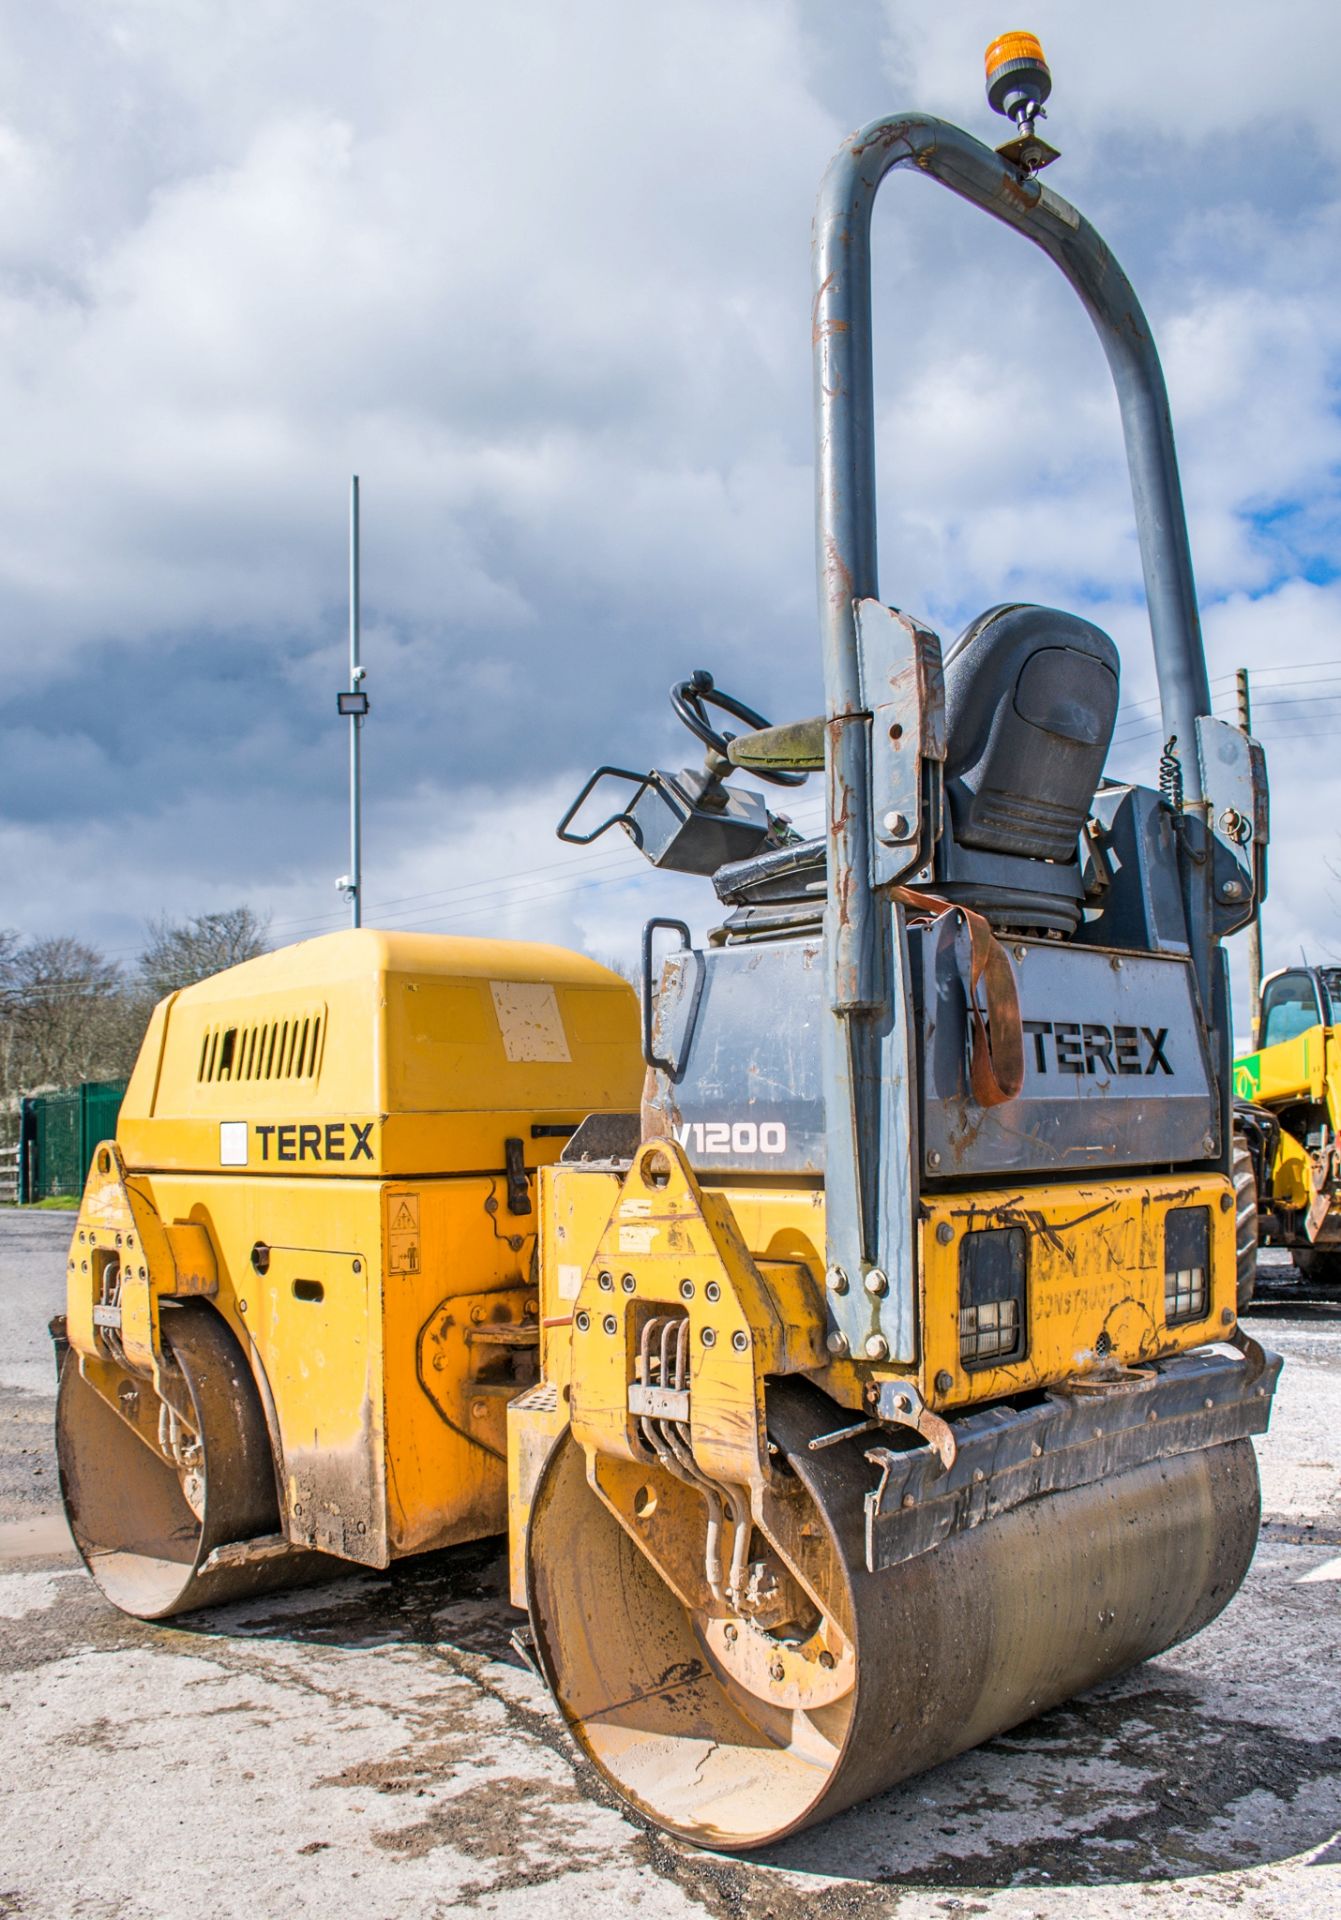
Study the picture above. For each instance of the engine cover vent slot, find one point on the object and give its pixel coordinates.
(288, 1048)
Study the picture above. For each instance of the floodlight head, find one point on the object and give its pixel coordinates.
(353, 704)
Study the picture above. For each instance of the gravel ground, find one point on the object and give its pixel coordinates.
(373, 1746)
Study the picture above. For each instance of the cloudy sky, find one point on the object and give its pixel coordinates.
(539, 274)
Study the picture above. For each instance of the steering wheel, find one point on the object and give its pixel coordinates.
(691, 699)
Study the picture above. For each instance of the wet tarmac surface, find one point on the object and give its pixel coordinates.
(376, 1745)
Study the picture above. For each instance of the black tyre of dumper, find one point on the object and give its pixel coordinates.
(1245, 1218)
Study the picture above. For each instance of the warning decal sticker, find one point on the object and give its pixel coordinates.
(402, 1233)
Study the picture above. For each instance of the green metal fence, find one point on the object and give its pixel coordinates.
(58, 1132)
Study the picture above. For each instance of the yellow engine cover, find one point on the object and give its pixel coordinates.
(379, 1053)
(336, 1118)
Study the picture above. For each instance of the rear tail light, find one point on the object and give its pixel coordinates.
(1187, 1264)
(992, 1271)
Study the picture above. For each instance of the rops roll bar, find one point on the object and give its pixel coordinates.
(845, 488)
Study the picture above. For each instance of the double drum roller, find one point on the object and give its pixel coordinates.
(843, 1329)
(994, 1626)
(945, 1422)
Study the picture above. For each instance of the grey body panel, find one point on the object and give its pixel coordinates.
(741, 1026)
(1116, 1073)
(745, 1031)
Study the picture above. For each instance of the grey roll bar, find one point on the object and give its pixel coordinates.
(846, 492)
(871, 1231)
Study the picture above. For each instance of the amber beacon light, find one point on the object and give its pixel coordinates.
(1018, 83)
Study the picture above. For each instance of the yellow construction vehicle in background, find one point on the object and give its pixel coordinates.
(1287, 1113)
(856, 1357)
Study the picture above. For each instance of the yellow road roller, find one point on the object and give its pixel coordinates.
(844, 1326)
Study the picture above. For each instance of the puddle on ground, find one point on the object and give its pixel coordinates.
(45, 1536)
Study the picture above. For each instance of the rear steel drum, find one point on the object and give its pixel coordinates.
(147, 1513)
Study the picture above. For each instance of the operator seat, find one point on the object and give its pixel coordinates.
(1031, 698)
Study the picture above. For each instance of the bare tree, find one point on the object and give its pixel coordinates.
(64, 1015)
(9, 940)
(67, 1013)
(9, 946)
(180, 952)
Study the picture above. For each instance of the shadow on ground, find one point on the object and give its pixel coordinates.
(1154, 1776)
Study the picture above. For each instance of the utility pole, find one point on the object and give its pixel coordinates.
(353, 703)
(1255, 924)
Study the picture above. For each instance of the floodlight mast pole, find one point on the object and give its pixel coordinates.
(352, 703)
(355, 720)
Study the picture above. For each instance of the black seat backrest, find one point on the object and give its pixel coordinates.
(1030, 700)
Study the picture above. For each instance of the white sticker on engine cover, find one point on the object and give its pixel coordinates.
(570, 1282)
(529, 1020)
(232, 1143)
